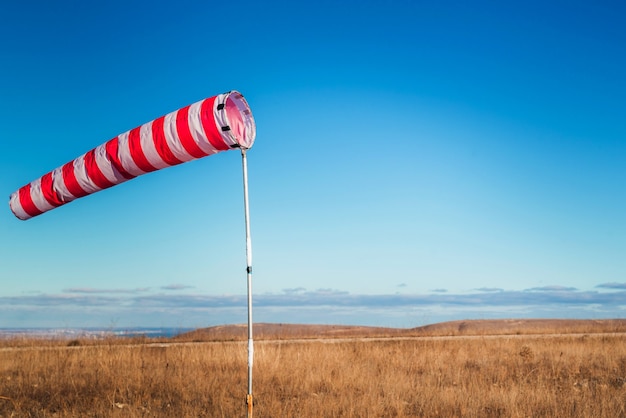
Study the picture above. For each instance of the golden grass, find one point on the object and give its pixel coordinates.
(478, 376)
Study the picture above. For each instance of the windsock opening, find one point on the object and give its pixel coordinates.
(238, 127)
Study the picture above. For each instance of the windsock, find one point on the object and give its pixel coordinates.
(204, 128)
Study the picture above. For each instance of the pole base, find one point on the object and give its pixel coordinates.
(249, 403)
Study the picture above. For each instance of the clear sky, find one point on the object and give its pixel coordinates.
(415, 161)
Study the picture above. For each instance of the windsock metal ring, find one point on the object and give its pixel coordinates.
(204, 128)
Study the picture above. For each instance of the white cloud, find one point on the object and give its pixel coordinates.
(95, 307)
(90, 290)
(176, 287)
(612, 285)
(554, 288)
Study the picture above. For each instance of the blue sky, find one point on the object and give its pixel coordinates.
(415, 162)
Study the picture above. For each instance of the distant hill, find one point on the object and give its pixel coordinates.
(268, 331)
(523, 326)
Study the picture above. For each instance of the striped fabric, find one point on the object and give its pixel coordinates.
(204, 128)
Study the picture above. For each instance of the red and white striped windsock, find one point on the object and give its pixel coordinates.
(207, 127)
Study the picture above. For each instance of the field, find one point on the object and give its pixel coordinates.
(460, 369)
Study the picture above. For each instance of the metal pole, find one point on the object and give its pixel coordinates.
(244, 163)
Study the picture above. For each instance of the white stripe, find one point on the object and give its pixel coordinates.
(149, 150)
(126, 160)
(16, 207)
(38, 198)
(104, 164)
(171, 137)
(59, 187)
(221, 119)
(197, 130)
(82, 178)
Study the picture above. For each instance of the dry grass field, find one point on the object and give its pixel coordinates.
(460, 369)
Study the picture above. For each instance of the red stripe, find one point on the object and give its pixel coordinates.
(47, 189)
(160, 143)
(69, 179)
(94, 172)
(136, 152)
(211, 131)
(26, 200)
(112, 153)
(184, 134)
